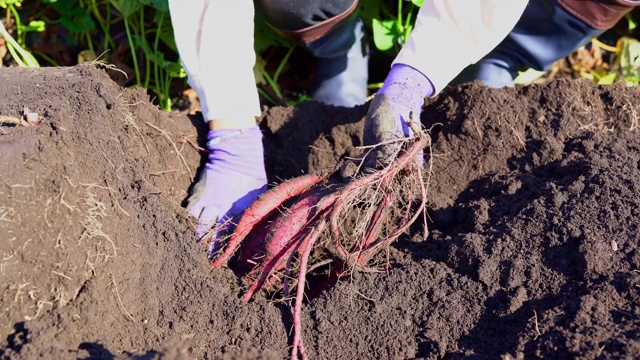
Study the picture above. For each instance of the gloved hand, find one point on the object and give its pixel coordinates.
(232, 180)
(401, 95)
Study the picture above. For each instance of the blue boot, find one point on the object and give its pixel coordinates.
(333, 33)
(545, 33)
(342, 66)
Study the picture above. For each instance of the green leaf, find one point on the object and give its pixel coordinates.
(417, 3)
(629, 58)
(5, 3)
(166, 34)
(156, 57)
(258, 67)
(66, 7)
(78, 24)
(385, 34)
(265, 37)
(632, 81)
(34, 25)
(74, 18)
(171, 67)
(126, 7)
(528, 76)
(369, 10)
(175, 70)
(632, 24)
(607, 79)
(160, 5)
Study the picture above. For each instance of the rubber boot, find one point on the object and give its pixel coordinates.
(342, 66)
(333, 33)
(545, 33)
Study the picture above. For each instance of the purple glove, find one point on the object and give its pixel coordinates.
(402, 94)
(406, 88)
(232, 180)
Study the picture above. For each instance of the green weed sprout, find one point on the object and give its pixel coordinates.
(128, 8)
(147, 37)
(266, 38)
(16, 47)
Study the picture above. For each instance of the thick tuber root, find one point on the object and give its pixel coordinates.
(310, 211)
(261, 209)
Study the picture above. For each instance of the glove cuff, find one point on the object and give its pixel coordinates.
(237, 150)
(407, 80)
(217, 136)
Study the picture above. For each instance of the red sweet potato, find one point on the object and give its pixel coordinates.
(286, 230)
(261, 208)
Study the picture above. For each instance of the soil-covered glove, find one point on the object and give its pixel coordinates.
(398, 102)
(232, 180)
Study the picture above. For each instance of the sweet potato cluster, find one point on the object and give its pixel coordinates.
(280, 230)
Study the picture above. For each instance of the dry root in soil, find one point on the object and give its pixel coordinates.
(345, 223)
(28, 118)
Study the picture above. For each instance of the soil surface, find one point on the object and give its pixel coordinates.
(534, 205)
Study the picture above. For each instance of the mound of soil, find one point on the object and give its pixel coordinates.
(532, 251)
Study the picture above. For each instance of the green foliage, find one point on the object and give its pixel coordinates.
(528, 76)
(632, 23)
(147, 25)
(630, 60)
(265, 40)
(623, 64)
(150, 49)
(71, 16)
(391, 23)
(127, 7)
(17, 46)
(150, 36)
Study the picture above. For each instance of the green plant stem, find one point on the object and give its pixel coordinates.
(156, 67)
(167, 98)
(399, 18)
(16, 16)
(272, 81)
(105, 24)
(147, 57)
(156, 41)
(267, 96)
(108, 22)
(284, 61)
(134, 57)
(159, 82)
(46, 58)
(90, 42)
(15, 56)
(272, 84)
(407, 25)
(21, 56)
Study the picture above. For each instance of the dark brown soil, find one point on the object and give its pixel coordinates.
(532, 253)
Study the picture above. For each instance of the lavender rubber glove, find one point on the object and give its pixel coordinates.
(232, 180)
(402, 94)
